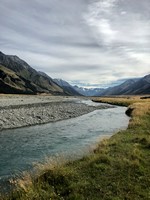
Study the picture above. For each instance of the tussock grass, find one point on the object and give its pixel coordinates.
(117, 169)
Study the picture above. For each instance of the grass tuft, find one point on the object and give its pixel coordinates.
(118, 168)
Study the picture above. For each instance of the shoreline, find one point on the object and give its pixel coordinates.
(126, 152)
(20, 111)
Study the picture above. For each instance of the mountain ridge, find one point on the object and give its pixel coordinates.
(88, 91)
(42, 84)
(67, 87)
(130, 87)
(17, 76)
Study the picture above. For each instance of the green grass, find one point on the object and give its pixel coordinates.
(118, 168)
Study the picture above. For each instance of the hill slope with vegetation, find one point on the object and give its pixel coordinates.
(139, 86)
(27, 80)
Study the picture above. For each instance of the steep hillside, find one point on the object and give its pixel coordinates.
(26, 73)
(130, 87)
(10, 82)
(119, 89)
(142, 86)
(69, 89)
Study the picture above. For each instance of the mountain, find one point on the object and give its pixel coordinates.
(142, 86)
(69, 89)
(88, 91)
(119, 89)
(18, 77)
(10, 82)
(130, 87)
(79, 91)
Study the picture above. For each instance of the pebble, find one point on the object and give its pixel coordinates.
(54, 111)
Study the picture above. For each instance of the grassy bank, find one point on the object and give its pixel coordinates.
(118, 168)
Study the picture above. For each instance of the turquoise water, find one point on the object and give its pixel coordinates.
(19, 148)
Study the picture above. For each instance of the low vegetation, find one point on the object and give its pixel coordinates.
(118, 168)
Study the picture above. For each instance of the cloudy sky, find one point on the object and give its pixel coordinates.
(92, 43)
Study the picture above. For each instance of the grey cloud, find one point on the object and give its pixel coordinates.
(93, 42)
(133, 27)
(72, 68)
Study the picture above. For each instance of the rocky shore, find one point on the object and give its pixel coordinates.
(19, 111)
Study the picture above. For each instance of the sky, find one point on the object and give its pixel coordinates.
(89, 43)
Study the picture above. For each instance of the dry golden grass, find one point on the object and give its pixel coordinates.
(8, 71)
(117, 169)
(139, 106)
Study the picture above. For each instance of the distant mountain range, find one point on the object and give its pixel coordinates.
(88, 91)
(134, 86)
(67, 87)
(17, 77)
(78, 90)
(129, 87)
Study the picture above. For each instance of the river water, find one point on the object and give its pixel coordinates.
(19, 148)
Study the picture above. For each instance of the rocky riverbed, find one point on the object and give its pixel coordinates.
(21, 110)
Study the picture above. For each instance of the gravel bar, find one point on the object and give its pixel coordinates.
(20, 111)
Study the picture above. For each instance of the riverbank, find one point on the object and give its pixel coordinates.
(27, 110)
(117, 169)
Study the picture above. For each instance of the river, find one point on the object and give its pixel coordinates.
(20, 148)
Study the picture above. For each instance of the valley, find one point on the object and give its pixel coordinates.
(75, 100)
(18, 77)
